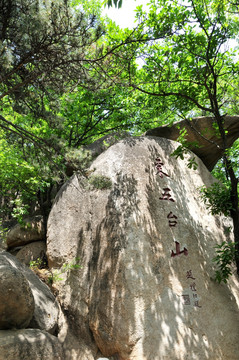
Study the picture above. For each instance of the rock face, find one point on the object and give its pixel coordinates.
(45, 314)
(16, 299)
(146, 289)
(32, 231)
(209, 150)
(29, 344)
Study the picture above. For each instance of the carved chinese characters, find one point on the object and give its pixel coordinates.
(191, 297)
(159, 164)
(172, 223)
(166, 195)
(178, 251)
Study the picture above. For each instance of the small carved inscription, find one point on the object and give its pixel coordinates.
(193, 294)
(189, 275)
(186, 299)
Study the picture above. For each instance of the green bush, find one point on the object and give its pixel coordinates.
(217, 199)
(100, 182)
(226, 255)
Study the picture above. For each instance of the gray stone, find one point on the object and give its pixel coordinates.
(102, 144)
(145, 289)
(16, 299)
(46, 311)
(210, 145)
(20, 235)
(31, 252)
(29, 344)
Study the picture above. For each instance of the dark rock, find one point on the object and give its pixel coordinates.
(201, 130)
(32, 252)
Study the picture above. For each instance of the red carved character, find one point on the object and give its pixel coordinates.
(158, 164)
(172, 223)
(178, 252)
(166, 195)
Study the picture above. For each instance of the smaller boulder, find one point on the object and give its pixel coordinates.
(32, 252)
(45, 316)
(16, 298)
(29, 344)
(33, 230)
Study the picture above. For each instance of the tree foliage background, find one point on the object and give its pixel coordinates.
(68, 76)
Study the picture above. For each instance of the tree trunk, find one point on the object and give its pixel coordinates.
(234, 210)
(234, 189)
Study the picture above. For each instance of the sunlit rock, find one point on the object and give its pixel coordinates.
(145, 290)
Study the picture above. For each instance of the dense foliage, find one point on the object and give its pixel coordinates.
(68, 76)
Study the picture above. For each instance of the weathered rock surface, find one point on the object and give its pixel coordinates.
(32, 252)
(102, 144)
(29, 344)
(46, 310)
(32, 231)
(145, 290)
(97, 147)
(16, 299)
(210, 149)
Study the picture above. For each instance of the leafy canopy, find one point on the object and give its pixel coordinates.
(190, 64)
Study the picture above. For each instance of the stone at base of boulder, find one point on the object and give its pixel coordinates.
(32, 252)
(33, 230)
(29, 344)
(16, 299)
(46, 311)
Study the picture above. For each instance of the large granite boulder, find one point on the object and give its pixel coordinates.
(16, 299)
(145, 289)
(202, 135)
(29, 344)
(32, 230)
(45, 314)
